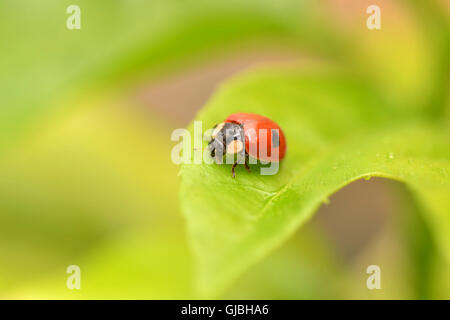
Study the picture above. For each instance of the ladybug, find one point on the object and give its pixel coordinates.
(247, 134)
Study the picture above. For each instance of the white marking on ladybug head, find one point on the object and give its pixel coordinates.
(235, 146)
(217, 129)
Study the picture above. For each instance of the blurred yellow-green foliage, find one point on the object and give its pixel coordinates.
(85, 170)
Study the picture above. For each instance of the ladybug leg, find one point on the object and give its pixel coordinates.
(233, 167)
(246, 163)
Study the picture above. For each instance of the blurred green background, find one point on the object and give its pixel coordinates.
(85, 123)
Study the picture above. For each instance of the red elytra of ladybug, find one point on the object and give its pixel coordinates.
(240, 127)
(252, 124)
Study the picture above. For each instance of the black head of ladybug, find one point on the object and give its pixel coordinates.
(228, 137)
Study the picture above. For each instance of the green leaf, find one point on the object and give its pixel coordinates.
(338, 130)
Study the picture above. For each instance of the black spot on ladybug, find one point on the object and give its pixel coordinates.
(275, 139)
